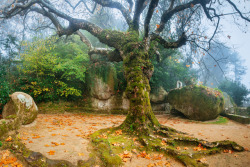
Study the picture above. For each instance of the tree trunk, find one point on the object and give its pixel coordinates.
(138, 70)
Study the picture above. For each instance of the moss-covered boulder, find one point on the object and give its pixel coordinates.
(102, 82)
(197, 102)
(21, 105)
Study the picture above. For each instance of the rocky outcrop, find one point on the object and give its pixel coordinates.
(158, 97)
(197, 102)
(230, 106)
(158, 100)
(115, 102)
(22, 106)
(101, 90)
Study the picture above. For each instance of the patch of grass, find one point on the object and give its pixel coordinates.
(219, 120)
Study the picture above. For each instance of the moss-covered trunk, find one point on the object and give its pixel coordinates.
(138, 70)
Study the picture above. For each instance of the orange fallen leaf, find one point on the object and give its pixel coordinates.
(9, 138)
(51, 152)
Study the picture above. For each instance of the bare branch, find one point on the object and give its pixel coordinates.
(117, 5)
(131, 4)
(235, 7)
(84, 39)
(78, 3)
(151, 9)
(171, 5)
(181, 41)
(169, 13)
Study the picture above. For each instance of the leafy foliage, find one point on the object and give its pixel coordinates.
(236, 90)
(53, 68)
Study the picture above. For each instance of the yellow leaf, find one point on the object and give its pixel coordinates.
(80, 154)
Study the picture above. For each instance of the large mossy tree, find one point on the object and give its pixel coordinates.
(132, 50)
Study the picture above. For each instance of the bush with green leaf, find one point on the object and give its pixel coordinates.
(53, 68)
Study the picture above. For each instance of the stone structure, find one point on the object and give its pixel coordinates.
(179, 84)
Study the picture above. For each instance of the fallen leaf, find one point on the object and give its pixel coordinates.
(80, 154)
(202, 160)
(51, 152)
(9, 139)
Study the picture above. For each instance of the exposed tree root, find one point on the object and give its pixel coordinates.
(109, 143)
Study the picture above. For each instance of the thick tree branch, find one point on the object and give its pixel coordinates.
(206, 11)
(138, 10)
(181, 41)
(111, 55)
(151, 9)
(15, 9)
(131, 4)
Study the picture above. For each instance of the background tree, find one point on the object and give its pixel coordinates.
(236, 90)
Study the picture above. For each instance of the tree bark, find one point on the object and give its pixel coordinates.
(138, 70)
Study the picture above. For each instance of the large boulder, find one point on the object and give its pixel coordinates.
(102, 87)
(101, 90)
(22, 106)
(197, 102)
(230, 106)
(159, 96)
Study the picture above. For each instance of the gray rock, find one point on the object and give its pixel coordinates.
(229, 104)
(21, 105)
(197, 102)
(159, 96)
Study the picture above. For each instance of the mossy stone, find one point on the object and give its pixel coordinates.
(197, 102)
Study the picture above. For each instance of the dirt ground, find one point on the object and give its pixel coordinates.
(65, 136)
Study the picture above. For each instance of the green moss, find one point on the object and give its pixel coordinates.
(11, 117)
(190, 161)
(219, 120)
(104, 149)
(197, 102)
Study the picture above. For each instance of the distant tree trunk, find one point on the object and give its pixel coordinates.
(138, 71)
